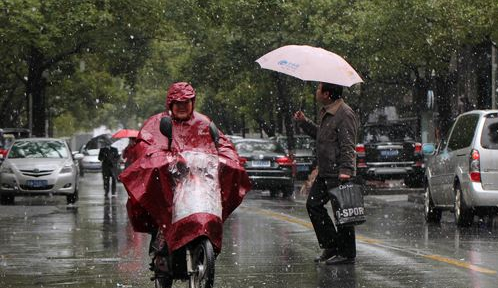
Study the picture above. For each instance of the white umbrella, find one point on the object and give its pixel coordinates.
(310, 64)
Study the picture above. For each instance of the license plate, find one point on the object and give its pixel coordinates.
(302, 168)
(261, 164)
(389, 153)
(36, 183)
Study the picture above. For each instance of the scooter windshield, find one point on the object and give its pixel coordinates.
(196, 185)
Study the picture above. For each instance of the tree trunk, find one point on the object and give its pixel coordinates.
(35, 88)
(482, 70)
(446, 88)
(286, 110)
(420, 89)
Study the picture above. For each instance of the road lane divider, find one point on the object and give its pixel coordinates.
(460, 263)
(434, 257)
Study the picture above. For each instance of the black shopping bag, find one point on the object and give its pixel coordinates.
(347, 204)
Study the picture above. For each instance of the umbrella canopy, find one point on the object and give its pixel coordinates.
(310, 64)
(99, 141)
(125, 133)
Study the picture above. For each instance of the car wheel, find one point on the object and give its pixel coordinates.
(464, 215)
(7, 199)
(287, 191)
(431, 213)
(73, 198)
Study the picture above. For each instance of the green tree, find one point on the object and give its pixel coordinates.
(39, 36)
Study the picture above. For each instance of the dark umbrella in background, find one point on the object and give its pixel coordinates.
(100, 141)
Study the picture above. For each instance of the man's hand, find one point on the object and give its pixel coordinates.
(299, 116)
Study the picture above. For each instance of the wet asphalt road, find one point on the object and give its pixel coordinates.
(267, 243)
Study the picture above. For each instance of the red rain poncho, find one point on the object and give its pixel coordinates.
(159, 186)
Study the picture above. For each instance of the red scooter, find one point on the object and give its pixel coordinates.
(196, 202)
(181, 188)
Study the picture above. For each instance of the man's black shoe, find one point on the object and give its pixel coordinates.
(338, 260)
(326, 254)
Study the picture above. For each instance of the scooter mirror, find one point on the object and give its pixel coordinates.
(166, 127)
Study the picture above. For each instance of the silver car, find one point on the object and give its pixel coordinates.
(462, 173)
(39, 166)
(90, 161)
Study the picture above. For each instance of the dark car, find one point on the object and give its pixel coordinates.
(389, 150)
(304, 154)
(268, 165)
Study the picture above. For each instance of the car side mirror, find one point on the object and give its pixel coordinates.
(78, 156)
(428, 149)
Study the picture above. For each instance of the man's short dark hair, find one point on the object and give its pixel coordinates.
(334, 90)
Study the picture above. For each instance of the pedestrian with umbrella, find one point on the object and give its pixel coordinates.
(109, 156)
(335, 135)
(129, 153)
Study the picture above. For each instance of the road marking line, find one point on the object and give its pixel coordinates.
(460, 263)
(363, 239)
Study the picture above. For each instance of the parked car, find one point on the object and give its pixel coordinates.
(304, 154)
(234, 137)
(462, 173)
(39, 166)
(90, 161)
(267, 165)
(389, 150)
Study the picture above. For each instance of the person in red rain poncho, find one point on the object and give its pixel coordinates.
(128, 153)
(153, 184)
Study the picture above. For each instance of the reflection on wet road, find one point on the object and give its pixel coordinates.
(267, 243)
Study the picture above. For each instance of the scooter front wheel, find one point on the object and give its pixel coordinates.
(203, 265)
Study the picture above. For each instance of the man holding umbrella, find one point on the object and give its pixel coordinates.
(336, 137)
(109, 156)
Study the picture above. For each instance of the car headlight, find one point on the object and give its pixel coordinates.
(66, 169)
(7, 170)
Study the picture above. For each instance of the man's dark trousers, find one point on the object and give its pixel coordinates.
(343, 241)
(109, 174)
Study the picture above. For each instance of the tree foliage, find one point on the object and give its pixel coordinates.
(50, 37)
(110, 62)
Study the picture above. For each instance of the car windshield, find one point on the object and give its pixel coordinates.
(301, 142)
(489, 136)
(387, 133)
(249, 147)
(38, 149)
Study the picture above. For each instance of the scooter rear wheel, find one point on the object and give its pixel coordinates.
(203, 265)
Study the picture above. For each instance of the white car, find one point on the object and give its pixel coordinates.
(39, 166)
(90, 161)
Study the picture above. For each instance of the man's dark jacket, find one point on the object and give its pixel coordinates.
(109, 156)
(335, 139)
